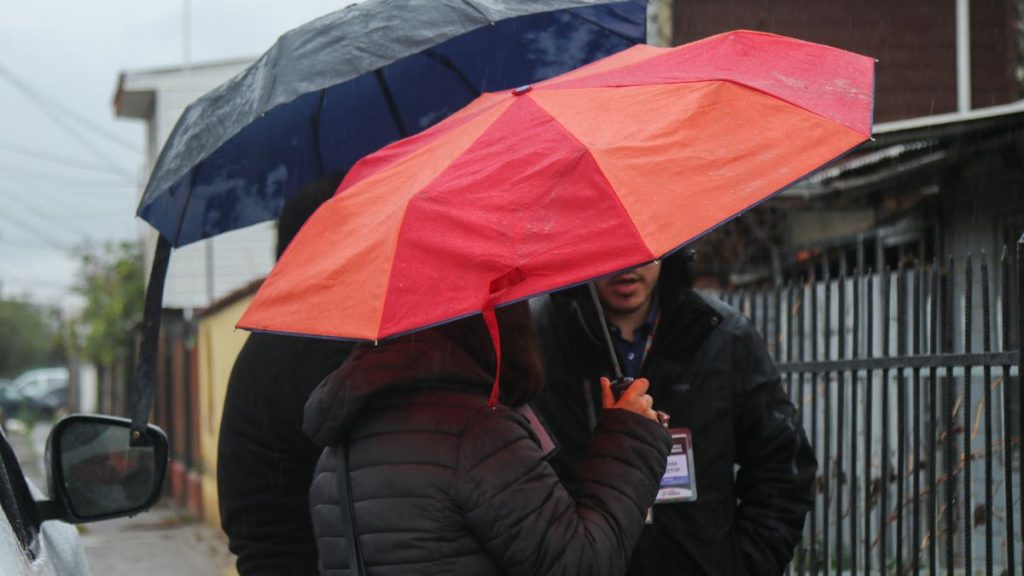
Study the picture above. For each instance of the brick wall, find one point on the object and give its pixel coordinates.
(914, 41)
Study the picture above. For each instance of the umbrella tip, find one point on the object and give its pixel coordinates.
(522, 89)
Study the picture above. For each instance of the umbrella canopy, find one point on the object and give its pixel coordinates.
(598, 170)
(341, 86)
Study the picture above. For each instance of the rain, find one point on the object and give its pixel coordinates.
(266, 269)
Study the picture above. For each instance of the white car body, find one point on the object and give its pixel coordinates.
(50, 548)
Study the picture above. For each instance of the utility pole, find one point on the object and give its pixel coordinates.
(963, 56)
(186, 33)
(186, 58)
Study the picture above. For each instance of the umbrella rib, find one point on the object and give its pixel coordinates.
(395, 249)
(450, 65)
(766, 198)
(599, 25)
(390, 99)
(472, 6)
(604, 176)
(316, 130)
(390, 277)
(188, 200)
(789, 101)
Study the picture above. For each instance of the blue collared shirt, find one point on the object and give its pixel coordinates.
(631, 354)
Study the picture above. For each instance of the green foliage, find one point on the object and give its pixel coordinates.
(29, 337)
(111, 280)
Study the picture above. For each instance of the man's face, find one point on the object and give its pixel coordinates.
(630, 291)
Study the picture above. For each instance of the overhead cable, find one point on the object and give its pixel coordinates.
(34, 175)
(38, 99)
(36, 232)
(66, 161)
(46, 102)
(37, 283)
(45, 214)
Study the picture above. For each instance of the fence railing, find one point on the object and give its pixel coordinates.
(908, 383)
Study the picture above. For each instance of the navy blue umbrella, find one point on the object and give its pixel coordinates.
(338, 88)
(346, 84)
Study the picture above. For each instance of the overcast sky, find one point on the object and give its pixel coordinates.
(71, 170)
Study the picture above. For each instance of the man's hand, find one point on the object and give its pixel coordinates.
(635, 398)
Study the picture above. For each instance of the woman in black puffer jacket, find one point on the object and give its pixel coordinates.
(442, 483)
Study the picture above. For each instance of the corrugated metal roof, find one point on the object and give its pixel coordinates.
(916, 142)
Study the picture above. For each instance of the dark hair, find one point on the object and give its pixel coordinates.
(301, 206)
(677, 270)
(522, 371)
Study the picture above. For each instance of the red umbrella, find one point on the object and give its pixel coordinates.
(527, 191)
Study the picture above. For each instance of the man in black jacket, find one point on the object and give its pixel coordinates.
(264, 461)
(709, 370)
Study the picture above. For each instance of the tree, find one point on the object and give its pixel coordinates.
(111, 280)
(29, 337)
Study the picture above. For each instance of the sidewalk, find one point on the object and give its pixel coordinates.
(159, 542)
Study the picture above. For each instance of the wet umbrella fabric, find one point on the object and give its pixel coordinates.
(346, 84)
(531, 190)
(338, 88)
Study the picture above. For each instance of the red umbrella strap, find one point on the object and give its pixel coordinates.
(492, 327)
(494, 292)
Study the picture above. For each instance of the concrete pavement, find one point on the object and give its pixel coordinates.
(160, 542)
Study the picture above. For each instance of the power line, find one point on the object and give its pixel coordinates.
(106, 197)
(46, 239)
(48, 109)
(41, 222)
(17, 245)
(46, 102)
(34, 176)
(37, 283)
(66, 161)
(61, 220)
(46, 215)
(84, 142)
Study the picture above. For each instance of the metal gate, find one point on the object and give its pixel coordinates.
(908, 383)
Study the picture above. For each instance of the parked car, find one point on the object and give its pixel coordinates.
(42, 392)
(95, 471)
(10, 402)
(5, 383)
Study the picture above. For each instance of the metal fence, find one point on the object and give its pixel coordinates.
(908, 386)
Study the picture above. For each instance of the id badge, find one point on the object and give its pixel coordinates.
(679, 484)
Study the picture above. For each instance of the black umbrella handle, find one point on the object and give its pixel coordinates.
(145, 369)
(616, 367)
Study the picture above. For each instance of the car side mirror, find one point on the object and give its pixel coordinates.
(97, 471)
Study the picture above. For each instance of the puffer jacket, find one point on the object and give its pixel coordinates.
(709, 370)
(443, 484)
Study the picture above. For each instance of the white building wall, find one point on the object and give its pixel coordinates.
(203, 272)
(88, 389)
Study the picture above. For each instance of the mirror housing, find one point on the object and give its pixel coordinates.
(97, 470)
